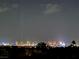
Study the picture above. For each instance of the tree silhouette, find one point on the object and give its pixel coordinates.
(73, 42)
(41, 45)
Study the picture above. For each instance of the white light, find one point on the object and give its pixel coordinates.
(5, 44)
(62, 44)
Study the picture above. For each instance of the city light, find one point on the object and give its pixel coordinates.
(55, 43)
(5, 44)
(62, 44)
(27, 43)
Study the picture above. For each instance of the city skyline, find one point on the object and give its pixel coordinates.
(39, 20)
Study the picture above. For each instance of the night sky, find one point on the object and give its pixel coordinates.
(39, 20)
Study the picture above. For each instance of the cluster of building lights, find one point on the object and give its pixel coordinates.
(27, 43)
(5, 44)
(32, 44)
(56, 44)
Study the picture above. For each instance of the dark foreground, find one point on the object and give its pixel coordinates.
(14, 52)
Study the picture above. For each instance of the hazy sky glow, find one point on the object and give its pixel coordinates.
(39, 20)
